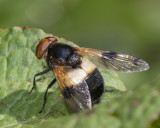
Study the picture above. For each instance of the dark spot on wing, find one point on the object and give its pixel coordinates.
(109, 55)
(68, 92)
(79, 90)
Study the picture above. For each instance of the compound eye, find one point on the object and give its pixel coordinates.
(43, 45)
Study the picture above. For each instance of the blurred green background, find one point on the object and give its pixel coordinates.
(132, 27)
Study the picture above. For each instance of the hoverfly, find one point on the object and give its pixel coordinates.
(80, 82)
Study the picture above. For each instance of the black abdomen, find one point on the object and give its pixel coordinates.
(85, 75)
(96, 86)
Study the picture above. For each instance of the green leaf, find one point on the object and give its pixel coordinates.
(138, 109)
(18, 64)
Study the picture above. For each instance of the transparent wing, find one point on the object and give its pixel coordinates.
(115, 61)
(77, 96)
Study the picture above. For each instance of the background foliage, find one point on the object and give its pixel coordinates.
(127, 26)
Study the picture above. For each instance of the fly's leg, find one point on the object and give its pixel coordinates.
(34, 81)
(45, 95)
